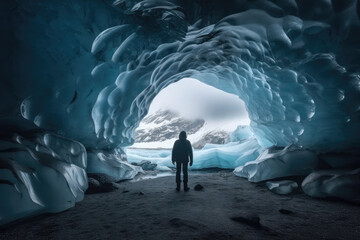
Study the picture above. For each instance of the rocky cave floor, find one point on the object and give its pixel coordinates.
(228, 207)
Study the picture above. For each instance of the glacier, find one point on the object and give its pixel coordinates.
(226, 156)
(84, 73)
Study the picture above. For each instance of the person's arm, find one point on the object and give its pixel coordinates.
(173, 156)
(190, 154)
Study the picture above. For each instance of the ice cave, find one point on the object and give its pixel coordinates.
(79, 76)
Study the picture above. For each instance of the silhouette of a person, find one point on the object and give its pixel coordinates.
(181, 154)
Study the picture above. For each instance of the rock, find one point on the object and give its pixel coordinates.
(198, 187)
(212, 137)
(339, 183)
(100, 183)
(93, 182)
(102, 188)
(282, 187)
(101, 178)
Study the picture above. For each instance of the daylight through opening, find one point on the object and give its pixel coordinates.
(207, 114)
(216, 122)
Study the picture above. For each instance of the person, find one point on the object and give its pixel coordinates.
(181, 154)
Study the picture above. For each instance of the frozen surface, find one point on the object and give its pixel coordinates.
(211, 156)
(241, 133)
(295, 66)
(279, 162)
(339, 183)
(88, 71)
(40, 172)
(282, 187)
(112, 163)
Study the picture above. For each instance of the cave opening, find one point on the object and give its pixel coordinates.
(192, 106)
(217, 124)
(79, 76)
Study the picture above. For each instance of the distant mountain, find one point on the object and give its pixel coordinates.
(214, 137)
(162, 128)
(164, 125)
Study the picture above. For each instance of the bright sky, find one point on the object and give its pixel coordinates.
(194, 99)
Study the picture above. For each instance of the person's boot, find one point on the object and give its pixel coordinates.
(186, 187)
(178, 187)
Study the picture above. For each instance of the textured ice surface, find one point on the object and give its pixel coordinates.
(241, 133)
(211, 156)
(112, 163)
(40, 172)
(295, 65)
(282, 187)
(340, 183)
(89, 71)
(279, 162)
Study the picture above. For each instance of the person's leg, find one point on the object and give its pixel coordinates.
(185, 172)
(178, 171)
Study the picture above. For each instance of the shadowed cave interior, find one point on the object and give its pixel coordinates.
(79, 76)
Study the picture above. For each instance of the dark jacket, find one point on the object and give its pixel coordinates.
(182, 151)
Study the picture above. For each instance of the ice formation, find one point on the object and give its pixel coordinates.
(145, 165)
(241, 133)
(282, 187)
(40, 172)
(227, 156)
(278, 162)
(112, 163)
(88, 71)
(339, 183)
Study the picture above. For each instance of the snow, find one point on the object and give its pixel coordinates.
(223, 125)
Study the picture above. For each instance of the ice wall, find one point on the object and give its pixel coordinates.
(112, 163)
(288, 63)
(295, 64)
(40, 172)
(88, 70)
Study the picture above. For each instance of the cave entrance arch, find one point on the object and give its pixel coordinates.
(217, 124)
(206, 113)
